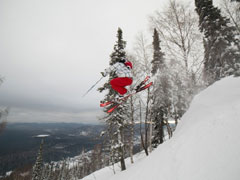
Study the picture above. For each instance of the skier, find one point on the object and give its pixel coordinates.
(140, 87)
(124, 76)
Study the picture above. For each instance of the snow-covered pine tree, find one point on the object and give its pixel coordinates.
(222, 57)
(64, 170)
(160, 94)
(181, 95)
(37, 168)
(161, 106)
(116, 120)
(181, 42)
(157, 61)
(46, 172)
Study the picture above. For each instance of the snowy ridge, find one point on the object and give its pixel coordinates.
(205, 145)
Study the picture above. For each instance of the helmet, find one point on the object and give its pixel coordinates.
(128, 64)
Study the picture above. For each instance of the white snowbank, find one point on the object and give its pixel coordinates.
(205, 146)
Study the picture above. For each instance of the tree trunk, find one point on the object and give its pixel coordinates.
(132, 131)
(169, 129)
(142, 140)
(146, 122)
(123, 166)
(150, 136)
(121, 150)
(161, 132)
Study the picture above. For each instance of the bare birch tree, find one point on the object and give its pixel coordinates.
(180, 38)
(232, 10)
(142, 52)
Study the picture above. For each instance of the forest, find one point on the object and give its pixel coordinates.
(191, 48)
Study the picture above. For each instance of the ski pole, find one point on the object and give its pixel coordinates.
(93, 86)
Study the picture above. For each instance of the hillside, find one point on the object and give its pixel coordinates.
(19, 145)
(205, 145)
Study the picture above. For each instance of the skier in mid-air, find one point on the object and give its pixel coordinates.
(123, 70)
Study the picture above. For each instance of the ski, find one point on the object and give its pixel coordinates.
(103, 104)
(142, 83)
(126, 97)
(106, 103)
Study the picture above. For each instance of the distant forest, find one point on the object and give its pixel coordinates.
(19, 146)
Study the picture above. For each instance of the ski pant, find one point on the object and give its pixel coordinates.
(118, 84)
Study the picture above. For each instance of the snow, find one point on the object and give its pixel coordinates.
(8, 173)
(205, 145)
(42, 135)
(84, 133)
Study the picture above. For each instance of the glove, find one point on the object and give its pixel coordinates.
(123, 61)
(103, 74)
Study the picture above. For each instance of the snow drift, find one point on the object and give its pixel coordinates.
(205, 145)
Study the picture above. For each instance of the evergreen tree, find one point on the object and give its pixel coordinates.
(161, 106)
(116, 120)
(221, 45)
(46, 172)
(63, 173)
(37, 168)
(160, 95)
(181, 96)
(157, 61)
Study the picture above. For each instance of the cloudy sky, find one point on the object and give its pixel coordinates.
(52, 52)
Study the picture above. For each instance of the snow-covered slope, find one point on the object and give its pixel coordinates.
(205, 146)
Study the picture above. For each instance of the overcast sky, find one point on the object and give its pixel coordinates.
(52, 52)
